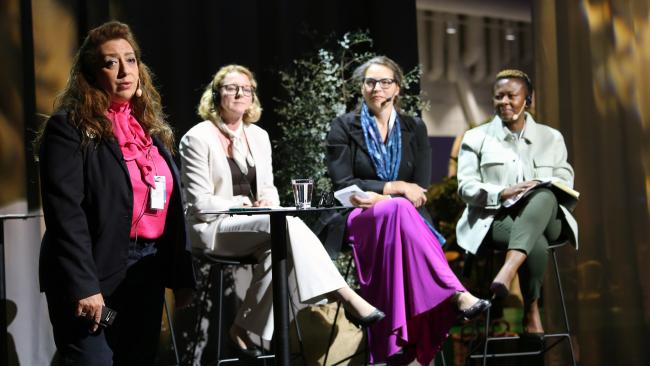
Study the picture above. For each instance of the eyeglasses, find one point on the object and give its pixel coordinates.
(370, 83)
(233, 89)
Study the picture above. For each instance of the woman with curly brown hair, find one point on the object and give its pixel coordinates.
(115, 234)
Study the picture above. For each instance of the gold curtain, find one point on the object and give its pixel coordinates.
(592, 68)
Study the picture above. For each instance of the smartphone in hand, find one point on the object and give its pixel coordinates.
(107, 317)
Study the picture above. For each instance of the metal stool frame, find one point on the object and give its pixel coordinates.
(558, 337)
(220, 262)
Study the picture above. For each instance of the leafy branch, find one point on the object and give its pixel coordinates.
(317, 89)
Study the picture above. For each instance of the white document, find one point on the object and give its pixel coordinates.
(343, 195)
(565, 196)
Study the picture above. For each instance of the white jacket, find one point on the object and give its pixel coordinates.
(207, 180)
(486, 165)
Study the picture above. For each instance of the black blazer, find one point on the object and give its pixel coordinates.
(88, 206)
(348, 163)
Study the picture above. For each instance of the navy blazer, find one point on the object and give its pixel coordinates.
(88, 206)
(348, 163)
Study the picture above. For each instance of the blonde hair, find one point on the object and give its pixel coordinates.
(207, 108)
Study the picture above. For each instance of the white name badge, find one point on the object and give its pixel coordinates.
(157, 195)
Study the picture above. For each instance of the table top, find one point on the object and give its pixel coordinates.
(19, 216)
(269, 210)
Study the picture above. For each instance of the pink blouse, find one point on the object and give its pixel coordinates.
(144, 164)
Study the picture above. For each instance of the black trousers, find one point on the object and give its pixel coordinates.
(133, 337)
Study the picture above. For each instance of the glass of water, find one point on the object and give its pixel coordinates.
(302, 192)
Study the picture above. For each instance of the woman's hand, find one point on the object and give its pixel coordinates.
(373, 198)
(91, 309)
(517, 189)
(242, 201)
(410, 191)
(262, 203)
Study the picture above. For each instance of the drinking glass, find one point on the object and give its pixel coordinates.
(302, 192)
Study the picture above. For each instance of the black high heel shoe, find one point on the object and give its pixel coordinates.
(254, 352)
(500, 290)
(366, 321)
(250, 352)
(531, 341)
(475, 310)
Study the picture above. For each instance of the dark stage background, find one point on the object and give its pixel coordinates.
(184, 43)
(591, 74)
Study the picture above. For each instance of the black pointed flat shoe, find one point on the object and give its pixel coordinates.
(531, 341)
(252, 352)
(500, 290)
(402, 357)
(475, 310)
(366, 321)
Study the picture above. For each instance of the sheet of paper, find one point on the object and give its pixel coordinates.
(344, 195)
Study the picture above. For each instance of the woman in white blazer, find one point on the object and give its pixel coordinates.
(226, 162)
(498, 161)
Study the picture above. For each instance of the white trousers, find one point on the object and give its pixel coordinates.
(315, 273)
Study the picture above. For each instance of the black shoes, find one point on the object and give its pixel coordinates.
(500, 290)
(252, 351)
(475, 310)
(402, 357)
(532, 342)
(248, 352)
(366, 321)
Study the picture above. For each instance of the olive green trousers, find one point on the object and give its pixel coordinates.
(528, 226)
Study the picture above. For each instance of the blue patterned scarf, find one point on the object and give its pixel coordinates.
(385, 157)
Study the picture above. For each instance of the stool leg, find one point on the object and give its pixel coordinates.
(219, 310)
(367, 350)
(336, 315)
(331, 338)
(200, 311)
(487, 334)
(295, 322)
(442, 357)
(171, 331)
(564, 312)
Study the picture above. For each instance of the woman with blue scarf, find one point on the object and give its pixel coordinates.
(401, 267)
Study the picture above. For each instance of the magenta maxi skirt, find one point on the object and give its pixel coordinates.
(403, 271)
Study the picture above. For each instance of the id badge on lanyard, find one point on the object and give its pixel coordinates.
(158, 194)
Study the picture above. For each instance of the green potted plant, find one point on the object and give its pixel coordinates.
(317, 89)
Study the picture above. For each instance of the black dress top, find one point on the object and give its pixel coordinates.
(243, 185)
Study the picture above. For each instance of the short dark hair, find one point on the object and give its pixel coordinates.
(518, 74)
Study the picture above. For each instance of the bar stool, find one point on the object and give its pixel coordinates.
(172, 334)
(217, 266)
(556, 338)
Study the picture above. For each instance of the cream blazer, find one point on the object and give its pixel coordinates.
(207, 180)
(486, 166)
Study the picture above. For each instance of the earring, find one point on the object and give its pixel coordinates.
(138, 91)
